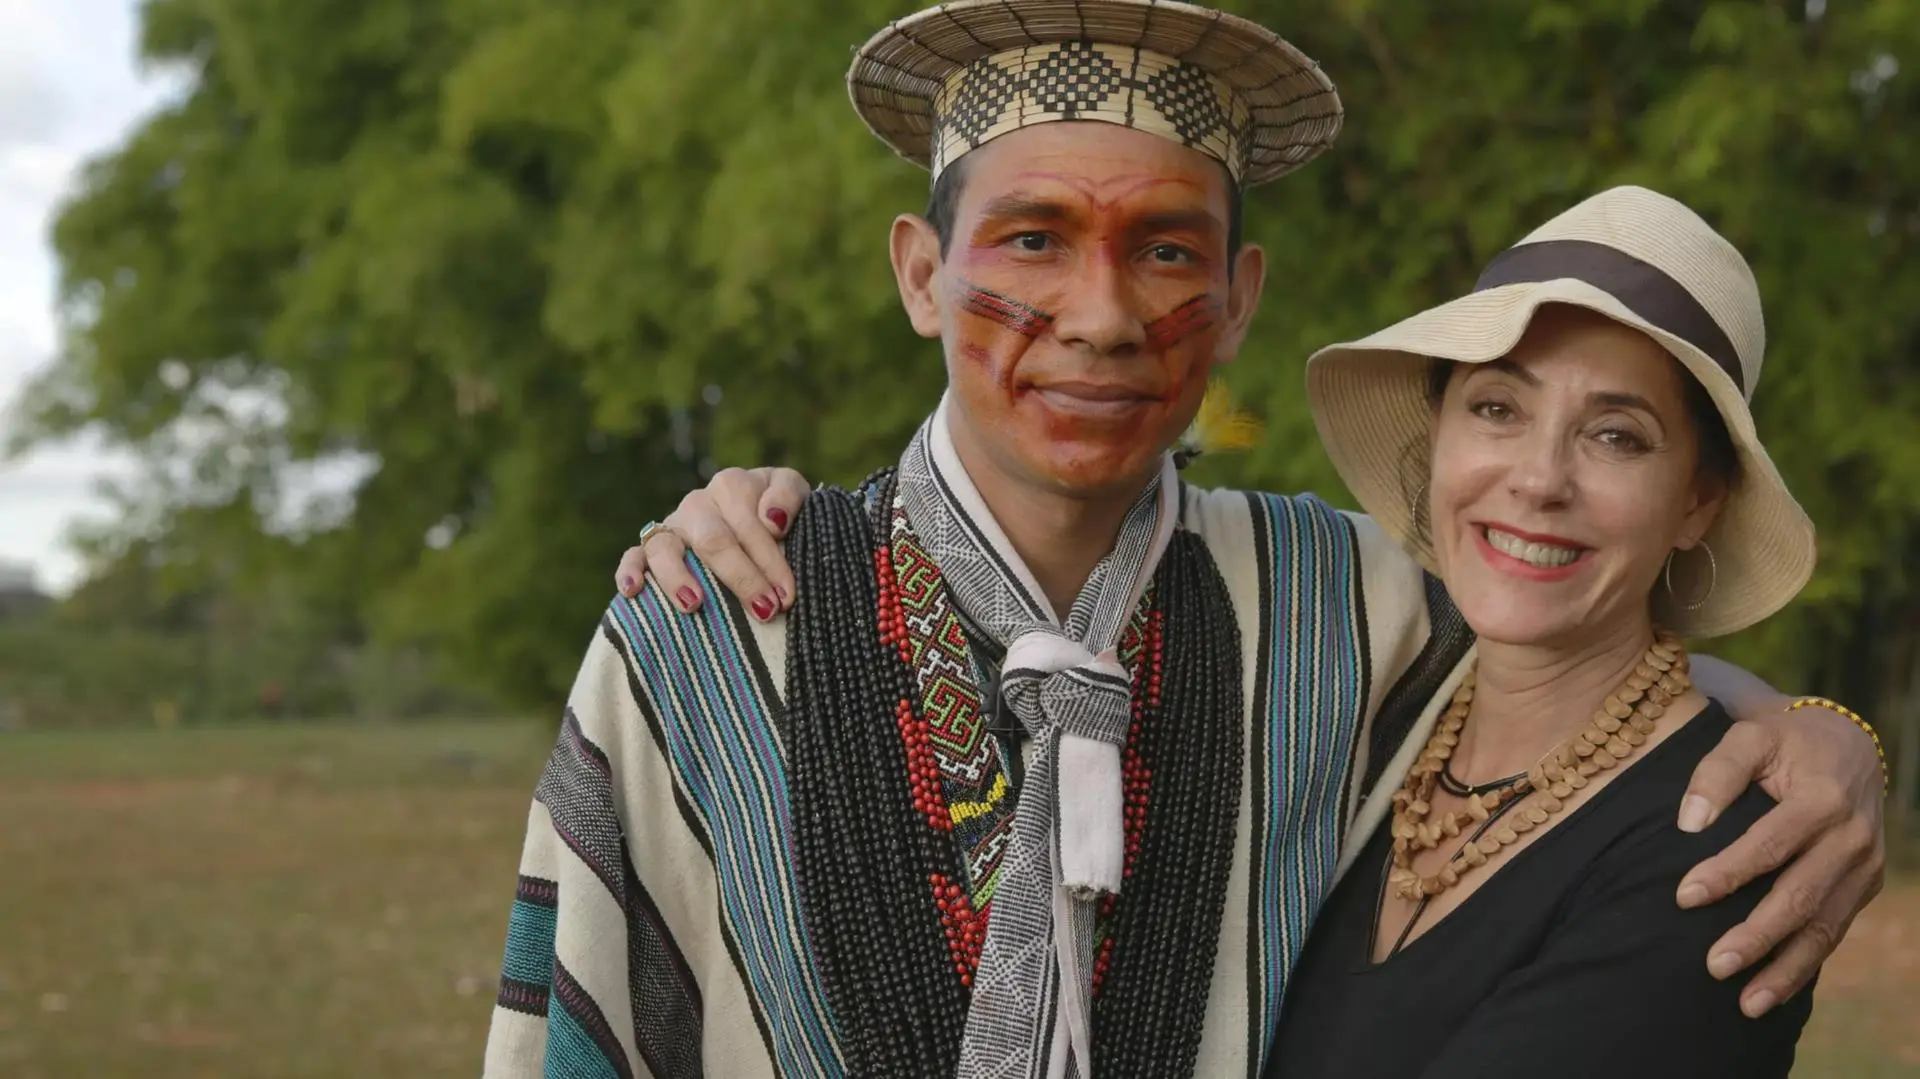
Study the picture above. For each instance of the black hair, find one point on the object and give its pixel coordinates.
(1719, 460)
(943, 206)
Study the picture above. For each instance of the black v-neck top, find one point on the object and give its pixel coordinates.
(1572, 960)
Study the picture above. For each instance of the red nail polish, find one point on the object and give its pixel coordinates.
(763, 608)
(688, 597)
(626, 584)
(781, 593)
(779, 518)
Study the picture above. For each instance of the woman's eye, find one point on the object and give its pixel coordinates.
(1492, 410)
(1626, 441)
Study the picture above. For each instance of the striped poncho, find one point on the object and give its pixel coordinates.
(661, 926)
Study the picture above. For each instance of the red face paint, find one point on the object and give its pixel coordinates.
(1196, 316)
(1027, 321)
(1031, 395)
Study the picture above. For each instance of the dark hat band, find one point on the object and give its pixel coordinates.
(1644, 289)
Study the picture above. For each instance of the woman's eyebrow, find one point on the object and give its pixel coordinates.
(1619, 399)
(1505, 366)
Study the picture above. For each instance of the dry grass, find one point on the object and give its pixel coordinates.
(330, 901)
(256, 903)
(1866, 1013)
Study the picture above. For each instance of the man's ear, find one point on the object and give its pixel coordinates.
(915, 248)
(1243, 299)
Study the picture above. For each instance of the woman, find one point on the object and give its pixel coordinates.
(1569, 449)
(1586, 480)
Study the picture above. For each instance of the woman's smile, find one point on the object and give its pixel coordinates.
(1530, 555)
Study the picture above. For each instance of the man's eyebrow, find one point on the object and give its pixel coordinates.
(1181, 221)
(1024, 208)
(1028, 208)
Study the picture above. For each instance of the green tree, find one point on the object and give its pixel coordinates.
(544, 263)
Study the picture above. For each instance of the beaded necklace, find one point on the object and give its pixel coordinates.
(1619, 726)
(960, 782)
(888, 887)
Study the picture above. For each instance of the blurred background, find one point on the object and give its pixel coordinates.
(347, 343)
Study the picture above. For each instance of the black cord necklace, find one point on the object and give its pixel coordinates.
(1453, 786)
(1420, 908)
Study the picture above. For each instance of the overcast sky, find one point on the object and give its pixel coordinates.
(69, 89)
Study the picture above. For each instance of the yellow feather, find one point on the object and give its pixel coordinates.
(1220, 426)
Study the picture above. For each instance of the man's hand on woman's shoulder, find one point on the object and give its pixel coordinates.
(1827, 831)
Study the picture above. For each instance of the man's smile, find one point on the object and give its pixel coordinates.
(1093, 399)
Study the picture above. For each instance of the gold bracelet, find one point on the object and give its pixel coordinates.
(1886, 777)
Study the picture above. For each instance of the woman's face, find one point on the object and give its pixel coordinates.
(1563, 475)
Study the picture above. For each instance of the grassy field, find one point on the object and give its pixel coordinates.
(330, 902)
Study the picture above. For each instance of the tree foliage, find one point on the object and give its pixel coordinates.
(545, 262)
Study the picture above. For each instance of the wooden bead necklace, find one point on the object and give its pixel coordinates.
(1494, 820)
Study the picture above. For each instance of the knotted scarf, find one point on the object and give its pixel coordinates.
(1030, 1014)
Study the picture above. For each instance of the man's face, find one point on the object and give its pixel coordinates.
(1083, 302)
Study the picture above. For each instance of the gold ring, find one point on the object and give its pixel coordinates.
(655, 528)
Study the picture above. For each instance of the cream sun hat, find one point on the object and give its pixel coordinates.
(943, 82)
(1641, 259)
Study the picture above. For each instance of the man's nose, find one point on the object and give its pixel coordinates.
(1100, 312)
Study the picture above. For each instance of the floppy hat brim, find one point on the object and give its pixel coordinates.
(1295, 112)
(1370, 404)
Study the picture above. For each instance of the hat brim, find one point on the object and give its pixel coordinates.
(1370, 403)
(1295, 113)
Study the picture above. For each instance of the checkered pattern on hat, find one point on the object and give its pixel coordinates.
(939, 83)
(1080, 80)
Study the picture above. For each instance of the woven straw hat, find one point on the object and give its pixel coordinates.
(1641, 259)
(946, 80)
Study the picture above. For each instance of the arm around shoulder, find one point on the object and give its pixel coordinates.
(1621, 987)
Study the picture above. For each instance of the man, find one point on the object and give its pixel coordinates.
(788, 844)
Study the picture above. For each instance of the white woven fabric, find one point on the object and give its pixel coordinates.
(1031, 1010)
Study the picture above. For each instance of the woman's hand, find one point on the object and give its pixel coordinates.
(735, 524)
(1827, 831)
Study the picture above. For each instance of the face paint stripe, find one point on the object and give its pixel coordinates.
(1195, 316)
(1014, 315)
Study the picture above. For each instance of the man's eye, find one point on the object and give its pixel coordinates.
(1032, 241)
(1170, 253)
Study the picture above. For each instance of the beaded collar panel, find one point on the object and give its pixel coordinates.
(900, 797)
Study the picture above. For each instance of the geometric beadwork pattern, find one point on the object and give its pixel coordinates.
(974, 777)
(1081, 80)
(1017, 987)
(949, 695)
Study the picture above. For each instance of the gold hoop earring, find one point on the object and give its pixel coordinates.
(1713, 579)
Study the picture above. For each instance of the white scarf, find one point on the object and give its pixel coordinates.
(1031, 1011)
